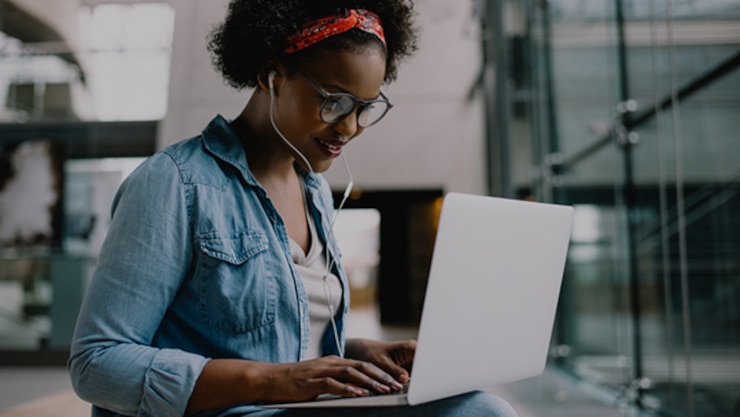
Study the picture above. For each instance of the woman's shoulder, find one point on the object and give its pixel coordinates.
(168, 160)
(188, 151)
(191, 158)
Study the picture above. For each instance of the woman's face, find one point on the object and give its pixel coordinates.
(298, 103)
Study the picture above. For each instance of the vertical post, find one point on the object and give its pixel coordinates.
(552, 127)
(630, 201)
(550, 192)
(496, 100)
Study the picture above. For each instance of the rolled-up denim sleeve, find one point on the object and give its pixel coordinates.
(141, 267)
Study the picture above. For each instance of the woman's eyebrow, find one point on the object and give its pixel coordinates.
(342, 90)
(334, 87)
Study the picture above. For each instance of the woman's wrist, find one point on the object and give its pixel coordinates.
(352, 348)
(227, 382)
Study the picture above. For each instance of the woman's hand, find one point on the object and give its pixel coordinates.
(395, 358)
(306, 380)
(374, 367)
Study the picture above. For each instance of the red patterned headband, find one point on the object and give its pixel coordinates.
(320, 29)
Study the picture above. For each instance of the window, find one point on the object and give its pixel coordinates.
(128, 55)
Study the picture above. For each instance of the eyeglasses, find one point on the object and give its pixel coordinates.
(337, 106)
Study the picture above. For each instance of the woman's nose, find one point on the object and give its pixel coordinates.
(348, 126)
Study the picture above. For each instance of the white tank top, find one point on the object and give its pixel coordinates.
(311, 267)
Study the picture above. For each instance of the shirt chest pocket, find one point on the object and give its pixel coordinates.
(236, 279)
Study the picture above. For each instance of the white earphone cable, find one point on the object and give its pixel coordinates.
(328, 262)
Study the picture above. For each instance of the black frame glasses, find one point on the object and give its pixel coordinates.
(337, 106)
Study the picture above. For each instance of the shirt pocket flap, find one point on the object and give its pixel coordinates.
(235, 248)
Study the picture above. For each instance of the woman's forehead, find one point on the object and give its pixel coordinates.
(358, 72)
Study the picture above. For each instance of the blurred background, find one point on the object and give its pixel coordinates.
(628, 110)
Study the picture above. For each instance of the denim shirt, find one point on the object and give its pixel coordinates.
(196, 265)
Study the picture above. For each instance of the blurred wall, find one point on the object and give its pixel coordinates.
(59, 18)
(433, 137)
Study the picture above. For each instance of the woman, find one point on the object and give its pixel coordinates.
(218, 287)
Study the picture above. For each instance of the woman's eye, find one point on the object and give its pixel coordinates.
(333, 105)
(340, 106)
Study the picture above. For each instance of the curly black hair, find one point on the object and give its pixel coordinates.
(252, 38)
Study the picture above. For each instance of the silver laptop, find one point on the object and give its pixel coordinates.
(490, 300)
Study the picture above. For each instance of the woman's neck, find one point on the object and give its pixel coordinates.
(268, 159)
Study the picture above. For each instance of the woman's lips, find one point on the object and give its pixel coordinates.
(331, 148)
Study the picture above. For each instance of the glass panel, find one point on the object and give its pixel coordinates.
(648, 306)
(595, 330)
(45, 263)
(687, 248)
(55, 190)
(687, 173)
(30, 213)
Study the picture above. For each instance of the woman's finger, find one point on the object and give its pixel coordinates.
(366, 375)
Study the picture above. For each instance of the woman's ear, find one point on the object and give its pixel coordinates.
(266, 80)
(263, 82)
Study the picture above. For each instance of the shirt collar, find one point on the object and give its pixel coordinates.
(221, 140)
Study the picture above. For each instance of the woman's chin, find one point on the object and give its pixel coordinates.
(322, 166)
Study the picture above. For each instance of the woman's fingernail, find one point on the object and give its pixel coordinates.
(381, 387)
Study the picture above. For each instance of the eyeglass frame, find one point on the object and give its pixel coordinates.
(357, 102)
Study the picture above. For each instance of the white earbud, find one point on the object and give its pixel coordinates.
(271, 82)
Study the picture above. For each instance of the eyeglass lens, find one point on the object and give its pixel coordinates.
(337, 108)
